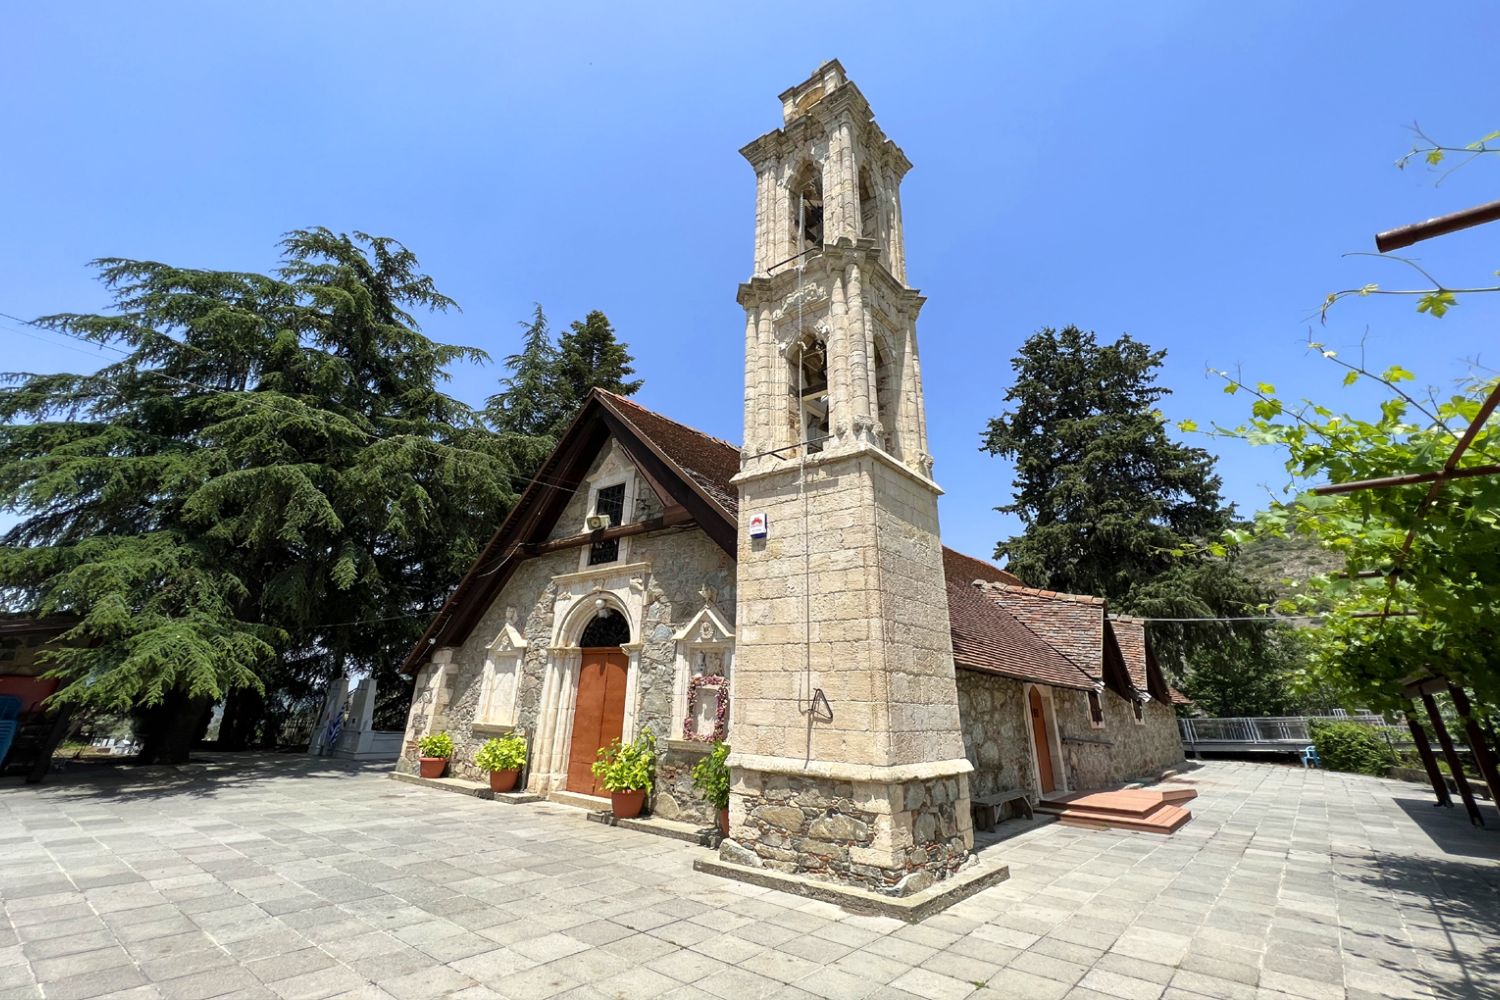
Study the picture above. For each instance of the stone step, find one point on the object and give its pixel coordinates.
(1122, 802)
(593, 803)
(1165, 819)
(478, 789)
(689, 832)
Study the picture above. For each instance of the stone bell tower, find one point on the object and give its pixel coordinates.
(848, 763)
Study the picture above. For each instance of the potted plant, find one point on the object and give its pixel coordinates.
(625, 770)
(711, 778)
(503, 757)
(435, 749)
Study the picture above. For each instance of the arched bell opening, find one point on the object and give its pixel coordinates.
(808, 360)
(807, 208)
(869, 206)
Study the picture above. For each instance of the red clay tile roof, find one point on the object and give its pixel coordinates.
(1073, 623)
(957, 566)
(1131, 635)
(711, 462)
(988, 639)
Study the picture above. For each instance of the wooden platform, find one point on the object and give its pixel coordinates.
(1155, 810)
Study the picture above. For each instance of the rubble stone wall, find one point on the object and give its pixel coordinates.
(992, 713)
(895, 839)
(1122, 750)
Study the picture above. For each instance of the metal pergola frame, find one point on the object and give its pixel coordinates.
(1426, 686)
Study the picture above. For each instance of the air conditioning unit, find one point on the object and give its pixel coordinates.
(597, 522)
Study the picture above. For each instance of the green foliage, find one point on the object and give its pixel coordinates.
(1104, 494)
(436, 745)
(1113, 507)
(530, 403)
(549, 381)
(711, 776)
(626, 767)
(505, 753)
(1349, 746)
(1250, 674)
(1448, 585)
(266, 490)
(590, 357)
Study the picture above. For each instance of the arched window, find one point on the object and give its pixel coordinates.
(607, 629)
(807, 208)
(809, 387)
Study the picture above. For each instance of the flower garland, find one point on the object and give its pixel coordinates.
(721, 709)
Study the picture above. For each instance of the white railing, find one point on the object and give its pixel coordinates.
(1269, 729)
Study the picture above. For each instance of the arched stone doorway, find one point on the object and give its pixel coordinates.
(600, 696)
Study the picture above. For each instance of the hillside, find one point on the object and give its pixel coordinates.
(1285, 564)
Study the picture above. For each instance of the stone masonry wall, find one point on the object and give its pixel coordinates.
(1121, 751)
(682, 562)
(834, 830)
(857, 608)
(674, 797)
(992, 711)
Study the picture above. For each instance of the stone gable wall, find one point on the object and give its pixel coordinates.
(682, 562)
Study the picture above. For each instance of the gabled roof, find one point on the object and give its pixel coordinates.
(688, 469)
(999, 627)
(988, 639)
(1072, 623)
(1140, 660)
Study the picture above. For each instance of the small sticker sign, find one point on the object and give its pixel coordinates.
(759, 525)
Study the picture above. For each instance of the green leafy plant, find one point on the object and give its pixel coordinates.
(711, 777)
(436, 745)
(627, 767)
(504, 753)
(1349, 746)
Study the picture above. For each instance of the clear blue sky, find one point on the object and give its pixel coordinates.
(1187, 173)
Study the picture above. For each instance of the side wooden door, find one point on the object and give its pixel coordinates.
(598, 716)
(1041, 739)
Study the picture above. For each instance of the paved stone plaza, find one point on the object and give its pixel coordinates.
(265, 877)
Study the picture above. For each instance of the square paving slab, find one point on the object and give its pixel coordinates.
(281, 878)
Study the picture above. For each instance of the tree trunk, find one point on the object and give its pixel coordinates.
(169, 728)
(244, 709)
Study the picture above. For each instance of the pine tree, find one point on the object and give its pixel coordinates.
(548, 382)
(590, 357)
(530, 400)
(1112, 506)
(268, 490)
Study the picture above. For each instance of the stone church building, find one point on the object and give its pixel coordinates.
(791, 595)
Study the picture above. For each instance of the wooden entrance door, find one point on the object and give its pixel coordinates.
(598, 714)
(1041, 739)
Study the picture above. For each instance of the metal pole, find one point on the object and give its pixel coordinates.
(1405, 236)
(1454, 764)
(1429, 762)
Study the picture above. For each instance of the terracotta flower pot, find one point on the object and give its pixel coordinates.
(627, 805)
(433, 767)
(724, 821)
(503, 781)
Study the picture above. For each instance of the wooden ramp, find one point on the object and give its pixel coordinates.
(1157, 810)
